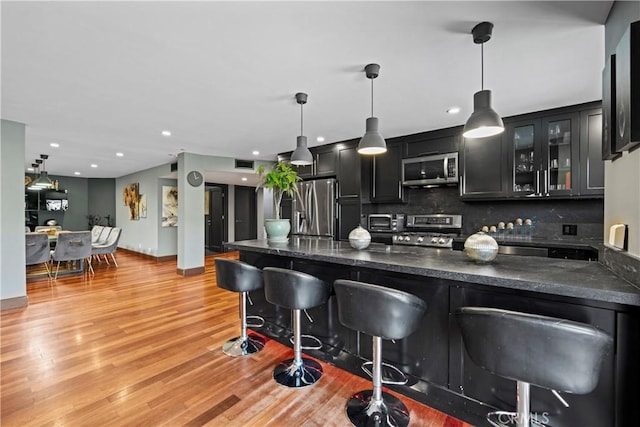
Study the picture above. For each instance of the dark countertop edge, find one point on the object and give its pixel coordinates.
(602, 295)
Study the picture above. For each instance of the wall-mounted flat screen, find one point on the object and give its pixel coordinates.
(57, 205)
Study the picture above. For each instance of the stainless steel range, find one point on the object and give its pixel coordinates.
(432, 230)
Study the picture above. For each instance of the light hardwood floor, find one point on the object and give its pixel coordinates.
(140, 346)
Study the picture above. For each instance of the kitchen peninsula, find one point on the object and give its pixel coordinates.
(441, 374)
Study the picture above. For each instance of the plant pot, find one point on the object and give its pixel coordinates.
(277, 229)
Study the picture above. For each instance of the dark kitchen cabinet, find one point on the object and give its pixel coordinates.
(591, 164)
(543, 155)
(324, 164)
(348, 172)
(386, 175)
(484, 168)
(433, 142)
(560, 155)
(349, 188)
(550, 154)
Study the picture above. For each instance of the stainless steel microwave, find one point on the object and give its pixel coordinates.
(436, 169)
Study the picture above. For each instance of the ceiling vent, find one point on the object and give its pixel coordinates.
(244, 164)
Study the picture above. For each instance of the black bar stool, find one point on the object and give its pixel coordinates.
(295, 291)
(552, 353)
(237, 276)
(382, 313)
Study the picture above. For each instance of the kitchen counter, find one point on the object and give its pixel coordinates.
(440, 371)
(569, 278)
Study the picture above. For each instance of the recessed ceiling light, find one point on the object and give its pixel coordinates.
(76, 173)
(54, 145)
(93, 165)
(320, 139)
(166, 132)
(120, 154)
(244, 178)
(453, 110)
(255, 152)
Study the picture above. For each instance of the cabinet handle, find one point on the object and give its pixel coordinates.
(461, 186)
(538, 182)
(546, 183)
(399, 190)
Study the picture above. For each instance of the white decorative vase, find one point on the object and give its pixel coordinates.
(359, 238)
(277, 230)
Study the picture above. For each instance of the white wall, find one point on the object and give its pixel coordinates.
(13, 286)
(622, 176)
(146, 235)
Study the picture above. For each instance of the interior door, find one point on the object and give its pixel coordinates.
(245, 213)
(215, 213)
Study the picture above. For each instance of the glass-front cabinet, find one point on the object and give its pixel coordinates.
(543, 154)
(525, 159)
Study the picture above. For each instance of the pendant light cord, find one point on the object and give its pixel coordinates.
(371, 97)
(482, 66)
(301, 121)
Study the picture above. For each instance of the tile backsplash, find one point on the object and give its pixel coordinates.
(548, 215)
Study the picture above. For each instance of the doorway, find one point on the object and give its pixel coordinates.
(215, 217)
(246, 217)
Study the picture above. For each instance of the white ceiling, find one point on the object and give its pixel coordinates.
(106, 77)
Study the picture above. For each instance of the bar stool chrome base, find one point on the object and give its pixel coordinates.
(237, 346)
(290, 374)
(390, 412)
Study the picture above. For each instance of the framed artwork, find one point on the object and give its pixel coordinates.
(169, 206)
(130, 198)
(142, 205)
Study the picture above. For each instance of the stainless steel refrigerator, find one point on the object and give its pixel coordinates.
(314, 209)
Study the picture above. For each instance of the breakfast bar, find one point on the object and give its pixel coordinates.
(440, 372)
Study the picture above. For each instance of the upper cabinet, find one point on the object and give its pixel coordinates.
(325, 159)
(483, 168)
(434, 142)
(591, 164)
(555, 153)
(386, 175)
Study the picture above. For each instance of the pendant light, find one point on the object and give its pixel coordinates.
(484, 121)
(301, 156)
(372, 142)
(36, 168)
(43, 181)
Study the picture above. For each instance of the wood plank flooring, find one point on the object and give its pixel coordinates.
(140, 345)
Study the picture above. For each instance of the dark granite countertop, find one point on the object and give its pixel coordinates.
(580, 279)
(544, 242)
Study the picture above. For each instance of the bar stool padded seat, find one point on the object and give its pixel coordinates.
(552, 353)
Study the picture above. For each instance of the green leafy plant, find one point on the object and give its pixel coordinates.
(281, 179)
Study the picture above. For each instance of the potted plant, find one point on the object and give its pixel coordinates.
(281, 179)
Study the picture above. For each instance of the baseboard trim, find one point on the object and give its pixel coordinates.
(151, 257)
(190, 271)
(11, 303)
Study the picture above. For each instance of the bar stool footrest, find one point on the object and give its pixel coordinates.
(259, 322)
(387, 380)
(317, 346)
